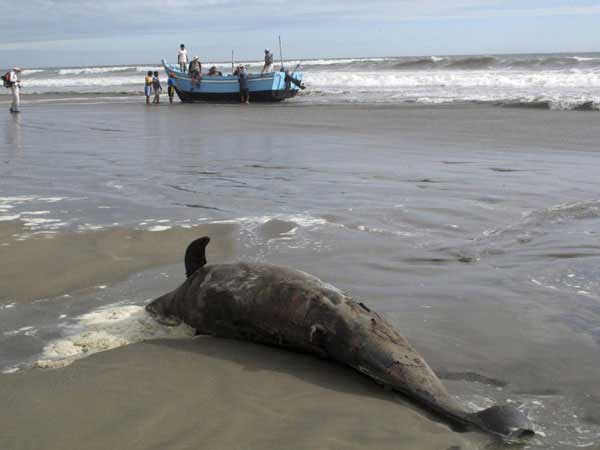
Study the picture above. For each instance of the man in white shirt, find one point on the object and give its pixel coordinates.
(15, 88)
(182, 58)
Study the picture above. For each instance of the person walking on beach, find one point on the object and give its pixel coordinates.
(148, 86)
(156, 87)
(182, 58)
(12, 81)
(171, 86)
(268, 67)
(242, 74)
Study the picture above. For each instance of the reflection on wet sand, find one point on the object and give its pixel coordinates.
(13, 136)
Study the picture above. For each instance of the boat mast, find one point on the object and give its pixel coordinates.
(280, 52)
(232, 63)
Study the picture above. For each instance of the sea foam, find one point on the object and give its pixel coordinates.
(104, 329)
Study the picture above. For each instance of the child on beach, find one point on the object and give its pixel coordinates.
(148, 86)
(156, 87)
(171, 86)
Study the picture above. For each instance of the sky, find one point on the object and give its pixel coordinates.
(42, 33)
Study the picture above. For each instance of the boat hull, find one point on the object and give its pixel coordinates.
(234, 97)
(268, 87)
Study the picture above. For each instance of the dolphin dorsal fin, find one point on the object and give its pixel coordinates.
(195, 255)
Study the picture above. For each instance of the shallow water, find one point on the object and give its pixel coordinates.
(475, 230)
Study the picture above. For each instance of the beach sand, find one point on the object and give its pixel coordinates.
(210, 394)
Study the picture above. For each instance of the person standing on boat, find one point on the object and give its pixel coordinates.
(242, 74)
(195, 70)
(182, 58)
(12, 81)
(268, 67)
(213, 72)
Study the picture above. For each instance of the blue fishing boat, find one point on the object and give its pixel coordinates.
(266, 87)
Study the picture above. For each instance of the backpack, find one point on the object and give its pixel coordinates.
(6, 80)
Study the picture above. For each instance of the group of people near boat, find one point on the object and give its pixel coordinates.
(194, 70)
(153, 87)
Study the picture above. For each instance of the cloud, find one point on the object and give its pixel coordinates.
(54, 21)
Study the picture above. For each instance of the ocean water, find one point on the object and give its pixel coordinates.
(546, 81)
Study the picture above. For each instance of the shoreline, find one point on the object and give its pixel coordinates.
(302, 101)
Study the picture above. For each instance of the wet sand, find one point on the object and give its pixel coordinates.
(210, 394)
(46, 266)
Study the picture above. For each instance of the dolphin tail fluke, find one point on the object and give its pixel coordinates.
(505, 421)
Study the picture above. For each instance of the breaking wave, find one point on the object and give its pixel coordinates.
(93, 70)
(47, 84)
(475, 62)
(539, 222)
(542, 90)
(415, 64)
(586, 105)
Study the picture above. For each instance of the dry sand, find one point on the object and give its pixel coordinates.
(212, 394)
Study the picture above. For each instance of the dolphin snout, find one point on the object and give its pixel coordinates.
(160, 310)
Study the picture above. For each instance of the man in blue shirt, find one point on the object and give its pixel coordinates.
(171, 86)
(242, 74)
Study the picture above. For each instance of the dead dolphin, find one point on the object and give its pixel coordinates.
(288, 308)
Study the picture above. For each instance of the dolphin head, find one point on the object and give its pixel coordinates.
(505, 421)
(164, 308)
(169, 309)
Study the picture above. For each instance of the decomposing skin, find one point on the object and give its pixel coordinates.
(283, 307)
